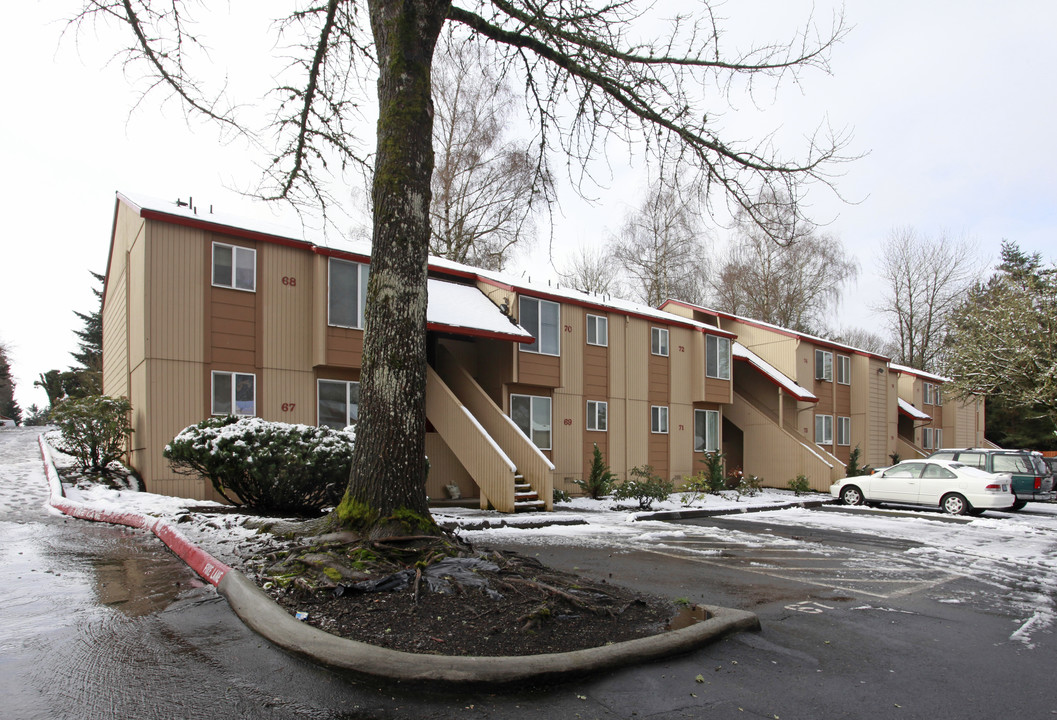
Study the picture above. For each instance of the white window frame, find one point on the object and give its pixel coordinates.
(362, 273)
(659, 341)
(927, 437)
(600, 325)
(537, 331)
(844, 430)
(930, 393)
(844, 370)
(719, 348)
(233, 378)
(532, 404)
(232, 282)
(827, 365)
(823, 429)
(709, 422)
(349, 420)
(659, 419)
(597, 422)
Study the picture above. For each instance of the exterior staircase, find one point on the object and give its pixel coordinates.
(525, 498)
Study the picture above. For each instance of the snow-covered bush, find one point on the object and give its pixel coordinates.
(270, 466)
(599, 481)
(93, 429)
(644, 487)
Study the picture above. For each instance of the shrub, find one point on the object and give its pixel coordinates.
(270, 466)
(853, 468)
(714, 478)
(644, 487)
(599, 481)
(695, 488)
(894, 457)
(560, 496)
(800, 485)
(749, 485)
(94, 429)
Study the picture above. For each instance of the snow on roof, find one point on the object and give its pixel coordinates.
(776, 376)
(465, 310)
(908, 409)
(308, 236)
(786, 331)
(918, 373)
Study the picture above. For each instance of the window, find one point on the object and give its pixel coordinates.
(659, 419)
(706, 430)
(844, 431)
(937, 396)
(597, 330)
(717, 357)
(338, 403)
(824, 365)
(931, 394)
(906, 469)
(938, 471)
(541, 319)
(1011, 464)
(824, 429)
(532, 415)
(844, 370)
(347, 293)
(234, 393)
(659, 341)
(976, 460)
(235, 267)
(596, 415)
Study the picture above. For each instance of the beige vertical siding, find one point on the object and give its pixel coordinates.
(137, 339)
(178, 268)
(637, 355)
(287, 306)
(618, 357)
(318, 318)
(445, 469)
(680, 440)
(568, 439)
(637, 434)
(291, 396)
(779, 350)
(573, 332)
(175, 391)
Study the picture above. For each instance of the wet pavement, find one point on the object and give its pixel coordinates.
(102, 622)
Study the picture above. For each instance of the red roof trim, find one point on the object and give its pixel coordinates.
(223, 229)
(341, 254)
(774, 382)
(475, 332)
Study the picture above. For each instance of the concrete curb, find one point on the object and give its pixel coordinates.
(258, 611)
(271, 621)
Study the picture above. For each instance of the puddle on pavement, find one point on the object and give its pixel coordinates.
(688, 616)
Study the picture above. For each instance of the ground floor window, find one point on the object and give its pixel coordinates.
(824, 429)
(532, 414)
(706, 430)
(597, 413)
(659, 419)
(933, 438)
(844, 431)
(234, 393)
(337, 403)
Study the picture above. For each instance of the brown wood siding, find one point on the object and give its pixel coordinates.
(539, 369)
(824, 392)
(658, 389)
(843, 399)
(596, 372)
(658, 453)
(344, 347)
(659, 380)
(718, 391)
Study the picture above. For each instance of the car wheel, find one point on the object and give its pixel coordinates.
(851, 495)
(954, 504)
(1018, 504)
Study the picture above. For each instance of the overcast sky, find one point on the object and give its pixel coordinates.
(951, 102)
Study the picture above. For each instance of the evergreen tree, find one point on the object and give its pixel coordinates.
(8, 406)
(89, 380)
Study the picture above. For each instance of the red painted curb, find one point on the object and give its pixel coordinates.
(208, 567)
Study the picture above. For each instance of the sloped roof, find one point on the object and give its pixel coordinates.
(740, 352)
(465, 310)
(911, 411)
(919, 373)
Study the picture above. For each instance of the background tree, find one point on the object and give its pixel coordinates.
(1002, 341)
(590, 270)
(591, 76)
(925, 278)
(486, 187)
(661, 248)
(795, 284)
(90, 353)
(863, 339)
(8, 405)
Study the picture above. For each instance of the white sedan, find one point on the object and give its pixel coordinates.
(955, 488)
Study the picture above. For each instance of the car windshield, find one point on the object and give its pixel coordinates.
(1012, 463)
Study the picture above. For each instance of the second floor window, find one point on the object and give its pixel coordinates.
(824, 366)
(542, 319)
(717, 357)
(659, 341)
(234, 393)
(844, 370)
(931, 394)
(338, 403)
(234, 267)
(346, 293)
(597, 330)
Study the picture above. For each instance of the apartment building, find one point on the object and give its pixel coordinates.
(802, 403)
(929, 421)
(205, 314)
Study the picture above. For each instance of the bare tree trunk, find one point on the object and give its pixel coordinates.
(389, 465)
